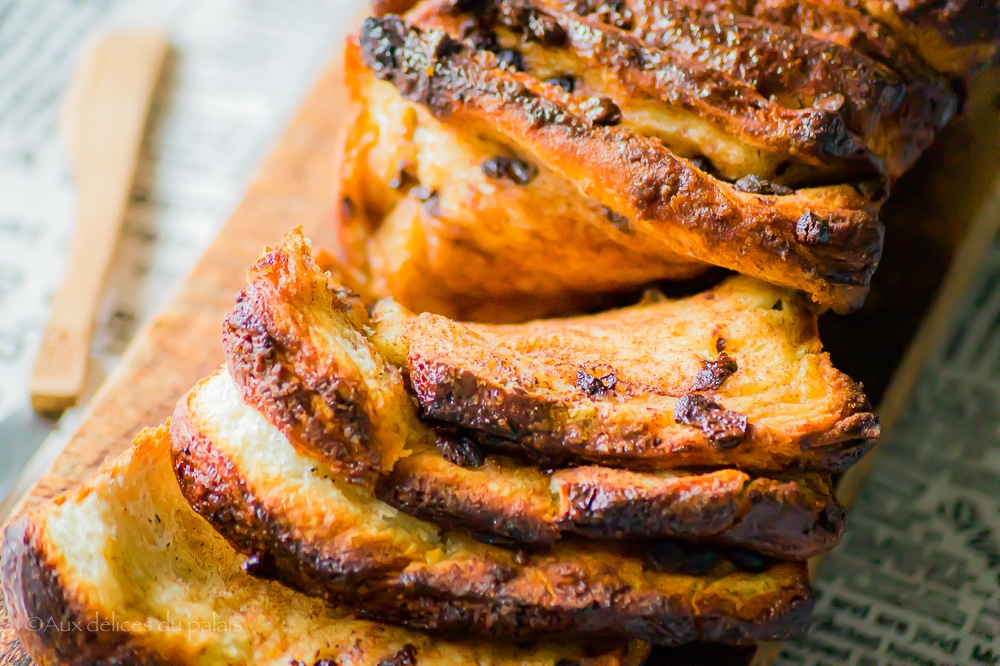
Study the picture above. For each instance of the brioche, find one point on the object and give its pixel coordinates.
(301, 524)
(825, 241)
(121, 571)
(295, 331)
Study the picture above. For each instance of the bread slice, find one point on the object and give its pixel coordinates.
(825, 241)
(300, 524)
(285, 343)
(438, 233)
(734, 376)
(122, 571)
(510, 502)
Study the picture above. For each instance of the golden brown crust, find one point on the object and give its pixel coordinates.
(412, 232)
(448, 480)
(795, 518)
(33, 589)
(828, 240)
(275, 324)
(83, 597)
(624, 388)
(449, 585)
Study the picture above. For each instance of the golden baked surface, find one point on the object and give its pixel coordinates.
(127, 551)
(510, 159)
(302, 525)
(285, 345)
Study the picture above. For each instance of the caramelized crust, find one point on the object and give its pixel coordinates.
(669, 85)
(450, 481)
(648, 387)
(824, 241)
(300, 525)
(286, 324)
(141, 579)
(438, 234)
(796, 518)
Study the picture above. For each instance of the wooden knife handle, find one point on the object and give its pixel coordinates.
(104, 116)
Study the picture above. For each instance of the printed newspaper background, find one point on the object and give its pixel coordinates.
(917, 577)
(239, 70)
(917, 580)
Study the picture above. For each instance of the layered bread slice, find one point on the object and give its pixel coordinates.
(732, 377)
(122, 571)
(296, 332)
(640, 193)
(302, 525)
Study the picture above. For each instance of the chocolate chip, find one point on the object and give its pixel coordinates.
(680, 557)
(720, 345)
(567, 82)
(714, 373)
(755, 185)
(513, 169)
(620, 222)
(811, 229)
(725, 429)
(596, 386)
(459, 449)
(602, 111)
(779, 305)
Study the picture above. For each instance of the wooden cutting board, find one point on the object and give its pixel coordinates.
(294, 187)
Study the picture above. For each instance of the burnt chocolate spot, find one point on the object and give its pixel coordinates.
(602, 112)
(405, 657)
(620, 222)
(459, 449)
(262, 566)
(811, 229)
(594, 385)
(680, 557)
(714, 373)
(755, 185)
(567, 83)
(779, 305)
(725, 429)
(380, 40)
(511, 169)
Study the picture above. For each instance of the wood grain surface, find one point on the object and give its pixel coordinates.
(932, 209)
